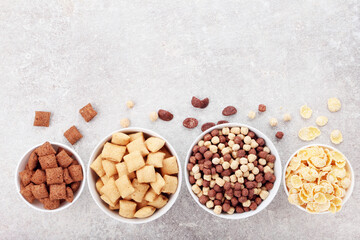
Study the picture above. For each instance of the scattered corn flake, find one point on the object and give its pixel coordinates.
(305, 111)
(336, 137)
(334, 104)
(309, 133)
(321, 121)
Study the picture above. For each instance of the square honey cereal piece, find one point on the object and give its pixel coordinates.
(158, 184)
(111, 191)
(105, 179)
(45, 149)
(38, 177)
(170, 166)
(50, 204)
(115, 207)
(27, 194)
(124, 186)
(33, 161)
(96, 165)
(166, 151)
(99, 184)
(120, 138)
(88, 112)
(113, 152)
(171, 183)
(137, 145)
(154, 144)
(140, 190)
(73, 135)
(108, 201)
(150, 195)
(134, 161)
(57, 191)
(159, 202)
(39, 191)
(137, 135)
(146, 174)
(121, 169)
(132, 175)
(127, 208)
(67, 177)
(54, 175)
(64, 159)
(145, 212)
(109, 168)
(155, 159)
(25, 176)
(42, 119)
(142, 204)
(48, 161)
(76, 172)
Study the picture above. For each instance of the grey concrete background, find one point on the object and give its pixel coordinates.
(59, 55)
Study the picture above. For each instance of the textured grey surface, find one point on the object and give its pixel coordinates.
(60, 55)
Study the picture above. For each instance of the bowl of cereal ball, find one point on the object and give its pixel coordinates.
(134, 175)
(318, 179)
(233, 171)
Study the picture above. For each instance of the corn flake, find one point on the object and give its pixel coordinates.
(321, 121)
(334, 104)
(305, 111)
(309, 133)
(336, 137)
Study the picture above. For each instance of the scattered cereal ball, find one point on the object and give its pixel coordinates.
(153, 116)
(305, 112)
(262, 108)
(125, 122)
(287, 117)
(251, 114)
(279, 135)
(130, 104)
(321, 121)
(334, 104)
(336, 137)
(273, 122)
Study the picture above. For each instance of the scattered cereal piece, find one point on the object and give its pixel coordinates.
(229, 110)
(153, 116)
(309, 133)
(130, 104)
(251, 115)
(334, 104)
(125, 122)
(42, 119)
(88, 112)
(73, 135)
(321, 121)
(279, 135)
(336, 137)
(305, 111)
(262, 108)
(196, 102)
(287, 117)
(165, 115)
(273, 122)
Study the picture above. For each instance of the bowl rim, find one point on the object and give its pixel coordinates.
(277, 168)
(348, 192)
(96, 197)
(76, 195)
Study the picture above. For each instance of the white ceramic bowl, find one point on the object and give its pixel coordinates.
(277, 172)
(92, 178)
(36, 204)
(348, 167)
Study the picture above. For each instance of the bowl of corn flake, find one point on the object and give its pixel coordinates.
(318, 179)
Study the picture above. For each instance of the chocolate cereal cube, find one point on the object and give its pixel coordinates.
(146, 174)
(111, 191)
(45, 149)
(96, 165)
(27, 194)
(73, 135)
(109, 168)
(42, 119)
(48, 161)
(154, 144)
(64, 159)
(134, 161)
(25, 176)
(75, 186)
(54, 175)
(67, 177)
(39, 191)
(38, 177)
(127, 208)
(76, 172)
(159, 201)
(50, 204)
(137, 135)
(171, 183)
(155, 159)
(113, 152)
(88, 112)
(140, 190)
(33, 161)
(158, 184)
(124, 186)
(137, 145)
(120, 139)
(170, 166)
(68, 152)
(57, 191)
(69, 195)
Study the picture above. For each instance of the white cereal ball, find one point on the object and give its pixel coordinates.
(287, 117)
(251, 114)
(130, 104)
(153, 116)
(125, 122)
(273, 122)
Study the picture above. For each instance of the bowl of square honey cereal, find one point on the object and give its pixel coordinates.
(134, 175)
(318, 179)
